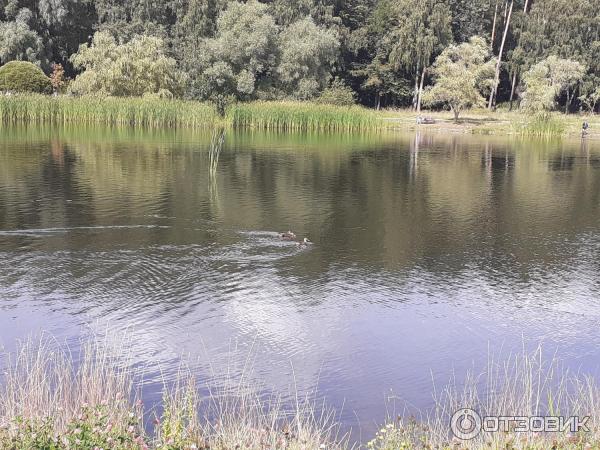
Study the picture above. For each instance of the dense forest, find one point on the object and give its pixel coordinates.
(380, 53)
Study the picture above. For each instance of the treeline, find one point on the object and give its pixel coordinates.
(379, 53)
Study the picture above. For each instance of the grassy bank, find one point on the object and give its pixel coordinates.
(47, 401)
(484, 122)
(51, 400)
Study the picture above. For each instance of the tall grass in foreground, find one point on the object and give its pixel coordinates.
(51, 400)
(524, 385)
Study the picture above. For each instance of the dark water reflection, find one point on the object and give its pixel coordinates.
(429, 251)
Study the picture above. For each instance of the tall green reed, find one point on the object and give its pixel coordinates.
(155, 113)
(150, 113)
(542, 125)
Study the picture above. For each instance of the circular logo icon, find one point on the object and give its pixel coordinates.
(465, 424)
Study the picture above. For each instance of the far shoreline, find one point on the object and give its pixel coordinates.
(284, 116)
(483, 122)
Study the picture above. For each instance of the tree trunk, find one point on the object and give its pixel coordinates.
(514, 80)
(378, 101)
(456, 112)
(497, 76)
(512, 90)
(419, 97)
(416, 92)
(494, 26)
(569, 98)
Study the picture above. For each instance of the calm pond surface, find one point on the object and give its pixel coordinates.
(429, 251)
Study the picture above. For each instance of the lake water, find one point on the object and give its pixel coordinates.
(430, 252)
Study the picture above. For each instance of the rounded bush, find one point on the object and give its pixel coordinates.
(22, 76)
(337, 94)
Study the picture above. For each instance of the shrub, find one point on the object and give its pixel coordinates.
(57, 77)
(162, 94)
(21, 76)
(337, 94)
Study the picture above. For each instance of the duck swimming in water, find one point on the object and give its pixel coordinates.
(289, 236)
(303, 243)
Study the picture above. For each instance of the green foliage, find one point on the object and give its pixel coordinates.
(178, 427)
(470, 18)
(421, 31)
(246, 37)
(375, 76)
(539, 94)
(18, 41)
(565, 28)
(308, 53)
(548, 79)
(234, 63)
(462, 74)
(132, 69)
(591, 99)
(323, 12)
(234, 50)
(381, 79)
(126, 19)
(21, 76)
(338, 94)
(196, 21)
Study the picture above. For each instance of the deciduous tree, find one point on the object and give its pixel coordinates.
(18, 41)
(463, 74)
(135, 68)
(422, 30)
(308, 53)
(548, 79)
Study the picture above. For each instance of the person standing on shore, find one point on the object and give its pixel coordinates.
(584, 128)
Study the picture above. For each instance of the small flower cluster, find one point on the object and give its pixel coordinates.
(97, 427)
(390, 437)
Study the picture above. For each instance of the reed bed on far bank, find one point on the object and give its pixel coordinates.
(285, 116)
(542, 125)
(302, 116)
(51, 400)
(142, 112)
(156, 113)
